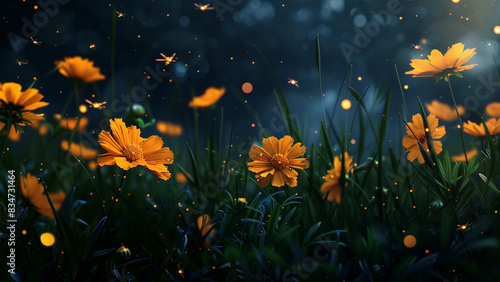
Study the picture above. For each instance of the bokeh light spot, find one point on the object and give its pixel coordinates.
(410, 241)
(83, 109)
(247, 87)
(47, 239)
(346, 104)
(496, 29)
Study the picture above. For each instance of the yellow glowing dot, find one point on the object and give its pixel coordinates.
(353, 141)
(455, 1)
(405, 87)
(400, 18)
(47, 239)
(138, 36)
(360, 78)
(346, 104)
(24, 232)
(83, 109)
(427, 130)
(36, 7)
(410, 241)
(247, 87)
(496, 29)
(426, 251)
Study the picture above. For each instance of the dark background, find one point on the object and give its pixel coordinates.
(285, 31)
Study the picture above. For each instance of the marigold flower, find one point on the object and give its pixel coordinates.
(33, 192)
(332, 184)
(127, 149)
(276, 160)
(207, 99)
(417, 127)
(70, 123)
(477, 130)
(168, 128)
(79, 150)
(81, 70)
(439, 66)
(461, 157)
(444, 111)
(493, 109)
(18, 105)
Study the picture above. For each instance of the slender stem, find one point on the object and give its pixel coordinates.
(67, 101)
(4, 145)
(402, 94)
(459, 122)
(7, 132)
(115, 199)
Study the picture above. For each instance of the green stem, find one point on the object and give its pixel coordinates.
(67, 101)
(459, 122)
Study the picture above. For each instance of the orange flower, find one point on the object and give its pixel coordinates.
(203, 226)
(493, 109)
(18, 105)
(477, 130)
(276, 160)
(207, 99)
(444, 111)
(127, 149)
(13, 134)
(417, 127)
(79, 150)
(332, 185)
(440, 66)
(79, 69)
(70, 123)
(168, 128)
(33, 192)
(461, 158)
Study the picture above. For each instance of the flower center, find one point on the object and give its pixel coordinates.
(422, 139)
(133, 152)
(279, 162)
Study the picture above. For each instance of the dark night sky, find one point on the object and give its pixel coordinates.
(285, 31)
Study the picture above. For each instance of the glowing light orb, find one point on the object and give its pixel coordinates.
(83, 109)
(410, 241)
(455, 1)
(405, 87)
(496, 29)
(247, 87)
(47, 239)
(346, 104)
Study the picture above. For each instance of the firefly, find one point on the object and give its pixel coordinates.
(92, 46)
(293, 82)
(166, 59)
(96, 105)
(120, 15)
(416, 46)
(463, 227)
(203, 7)
(36, 42)
(22, 62)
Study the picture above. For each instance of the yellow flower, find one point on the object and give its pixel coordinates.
(33, 192)
(203, 226)
(168, 128)
(493, 109)
(444, 111)
(79, 150)
(19, 104)
(80, 69)
(477, 130)
(207, 99)
(417, 127)
(276, 161)
(440, 66)
(127, 149)
(70, 123)
(461, 158)
(332, 184)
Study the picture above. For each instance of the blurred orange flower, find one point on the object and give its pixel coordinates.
(168, 128)
(477, 130)
(276, 161)
(332, 185)
(79, 150)
(79, 69)
(207, 99)
(70, 123)
(204, 227)
(33, 192)
(13, 134)
(493, 109)
(127, 149)
(19, 105)
(461, 157)
(439, 66)
(444, 111)
(417, 127)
